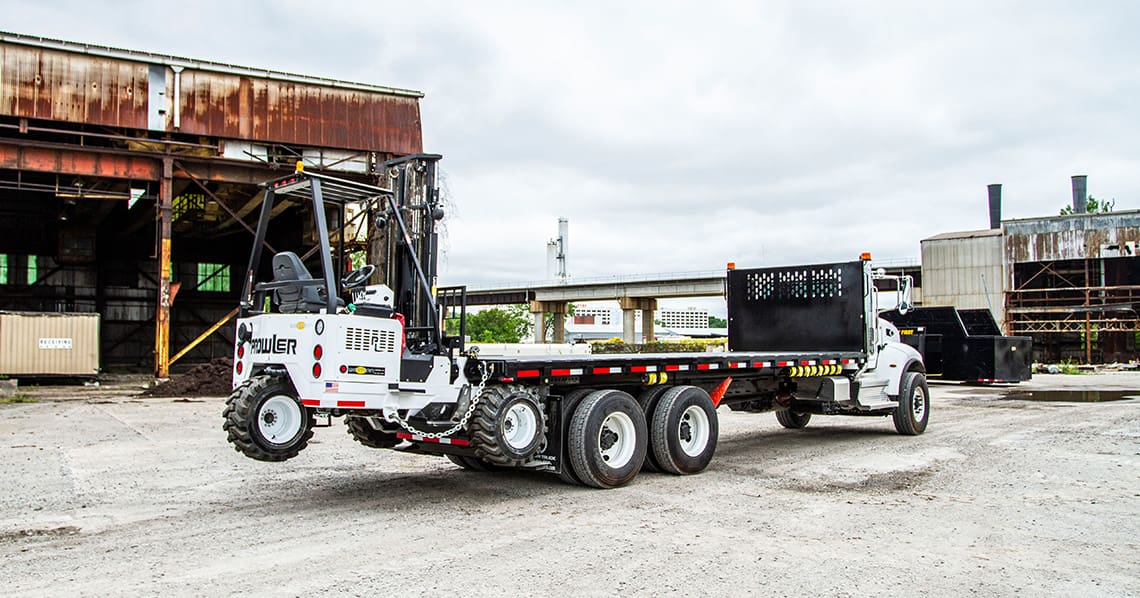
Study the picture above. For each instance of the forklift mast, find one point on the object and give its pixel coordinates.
(407, 256)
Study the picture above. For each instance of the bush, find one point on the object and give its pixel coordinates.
(618, 346)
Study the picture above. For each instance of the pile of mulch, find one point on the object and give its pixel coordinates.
(214, 379)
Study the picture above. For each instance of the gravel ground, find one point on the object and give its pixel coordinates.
(108, 493)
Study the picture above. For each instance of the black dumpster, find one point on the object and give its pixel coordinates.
(964, 344)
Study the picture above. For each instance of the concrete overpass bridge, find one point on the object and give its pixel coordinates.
(632, 292)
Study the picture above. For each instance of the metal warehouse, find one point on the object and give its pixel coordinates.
(1072, 282)
(128, 182)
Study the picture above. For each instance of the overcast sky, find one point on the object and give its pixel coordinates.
(680, 136)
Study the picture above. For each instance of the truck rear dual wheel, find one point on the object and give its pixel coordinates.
(648, 399)
(265, 420)
(683, 430)
(913, 412)
(570, 402)
(607, 439)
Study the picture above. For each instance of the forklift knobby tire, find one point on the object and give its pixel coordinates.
(472, 464)
(683, 430)
(648, 400)
(361, 430)
(607, 439)
(913, 411)
(793, 420)
(570, 402)
(508, 426)
(260, 408)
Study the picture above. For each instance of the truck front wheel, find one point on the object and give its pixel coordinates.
(265, 420)
(913, 411)
(607, 439)
(793, 420)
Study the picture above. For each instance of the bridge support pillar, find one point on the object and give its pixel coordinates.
(629, 307)
(556, 309)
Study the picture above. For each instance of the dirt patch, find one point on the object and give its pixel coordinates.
(895, 481)
(212, 379)
(67, 530)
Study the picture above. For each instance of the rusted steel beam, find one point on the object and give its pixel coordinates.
(219, 172)
(81, 162)
(164, 209)
(204, 335)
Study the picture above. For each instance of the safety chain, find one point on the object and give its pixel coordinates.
(478, 392)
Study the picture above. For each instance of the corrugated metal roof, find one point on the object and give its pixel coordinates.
(192, 63)
(969, 234)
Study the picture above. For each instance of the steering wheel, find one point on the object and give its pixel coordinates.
(357, 277)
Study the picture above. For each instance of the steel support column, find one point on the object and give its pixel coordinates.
(164, 210)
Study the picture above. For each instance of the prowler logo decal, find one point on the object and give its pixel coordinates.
(274, 345)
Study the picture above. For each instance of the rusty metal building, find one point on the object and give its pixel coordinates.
(128, 182)
(1071, 282)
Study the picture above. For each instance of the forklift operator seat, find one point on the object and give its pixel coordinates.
(288, 267)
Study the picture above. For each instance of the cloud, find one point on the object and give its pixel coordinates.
(678, 136)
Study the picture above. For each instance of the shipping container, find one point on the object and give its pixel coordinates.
(49, 344)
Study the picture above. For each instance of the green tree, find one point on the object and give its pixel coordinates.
(1093, 206)
(715, 322)
(496, 325)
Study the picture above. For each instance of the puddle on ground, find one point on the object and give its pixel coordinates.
(1072, 396)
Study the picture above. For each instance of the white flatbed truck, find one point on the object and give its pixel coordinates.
(803, 341)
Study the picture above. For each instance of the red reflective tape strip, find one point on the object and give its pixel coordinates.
(828, 362)
(640, 369)
(808, 362)
(528, 373)
(676, 368)
(311, 402)
(709, 366)
(607, 370)
(350, 403)
(848, 361)
(784, 364)
(570, 372)
(762, 364)
(738, 364)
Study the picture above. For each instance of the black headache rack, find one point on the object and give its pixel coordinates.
(964, 344)
(817, 307)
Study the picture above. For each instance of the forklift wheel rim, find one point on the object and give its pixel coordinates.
(279, 420)
(520, 426)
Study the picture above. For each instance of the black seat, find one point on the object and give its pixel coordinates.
(287, 267)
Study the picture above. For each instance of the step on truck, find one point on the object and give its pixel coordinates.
(383, 348)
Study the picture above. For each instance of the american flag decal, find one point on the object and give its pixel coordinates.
(332, 387)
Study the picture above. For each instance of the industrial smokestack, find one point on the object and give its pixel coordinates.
(995, 205)
(563, 246)
(1080, 193)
